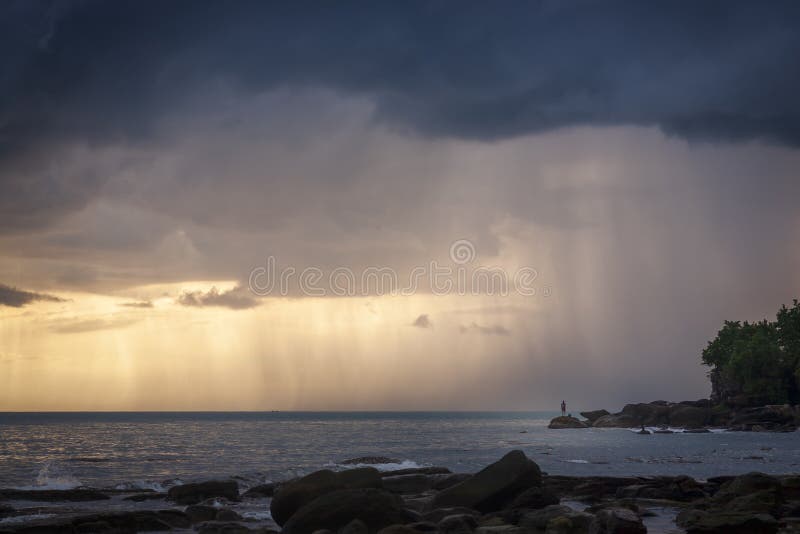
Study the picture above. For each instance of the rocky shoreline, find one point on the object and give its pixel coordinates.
(510, 496)
(700, 415)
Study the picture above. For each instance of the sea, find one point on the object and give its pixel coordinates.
(156, 450)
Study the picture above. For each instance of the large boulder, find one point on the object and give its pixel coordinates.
(289, 497)
(494, 486)
(594, 415)
(566, 422)
(685, 416)
(195, 493)
(375, 508)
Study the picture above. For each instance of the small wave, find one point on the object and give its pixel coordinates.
(53, 477)
(393, 466)
(141, 485)
(257, 516)
(673, 429)
(577, 461)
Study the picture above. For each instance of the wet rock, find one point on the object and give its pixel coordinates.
(149, 496)
(450, 480)
(650, 414)
(565, 421)
(356, 526)
(199, 513)
(616, 421)
(533, 498)
(617, 521)
(423, 526)
(685, 416)
(697, 431)
(494, 486)
(226, 514)
(292, 495)
(592, 488)
(70, 495)
(682, 488)
(223, 527)
(440, 513)
(195, 493)
(399, 529)
(411, 483)
(375, 507)
(700, 522)
(260, 491)
(557, 518)
(457, 524)
(594, 415)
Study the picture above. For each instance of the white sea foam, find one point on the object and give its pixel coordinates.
(141, 485)
(258, 516)
(53, 477)
(577, 461)
(673, 429)
(394, 466)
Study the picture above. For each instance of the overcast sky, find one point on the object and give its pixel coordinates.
(641, 159)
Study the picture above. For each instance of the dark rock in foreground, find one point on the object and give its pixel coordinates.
(494, 486)
(294, 494)
(565, 421)
(195, 493)
(374, 507)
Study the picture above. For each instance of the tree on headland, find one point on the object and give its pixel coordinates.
(757, 363)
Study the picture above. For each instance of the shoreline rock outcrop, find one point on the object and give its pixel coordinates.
(691, 416)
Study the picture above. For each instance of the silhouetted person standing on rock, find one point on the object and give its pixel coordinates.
(563, 408)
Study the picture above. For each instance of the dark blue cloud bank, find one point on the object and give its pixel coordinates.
(103, 73)
(714, 70)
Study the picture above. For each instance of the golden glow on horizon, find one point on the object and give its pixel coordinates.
(92, 353)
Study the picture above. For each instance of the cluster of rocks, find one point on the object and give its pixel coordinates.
(510, 496)
(692, 415)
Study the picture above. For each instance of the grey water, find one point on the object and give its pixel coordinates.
(147, 449)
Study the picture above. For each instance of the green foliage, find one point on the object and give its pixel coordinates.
(758, 359)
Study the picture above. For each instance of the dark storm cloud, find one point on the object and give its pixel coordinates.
(714, 69)
(104, 71)
(17, 298)
(235, 299)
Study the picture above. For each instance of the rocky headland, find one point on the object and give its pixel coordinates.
(510, 496)
(694, 416)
